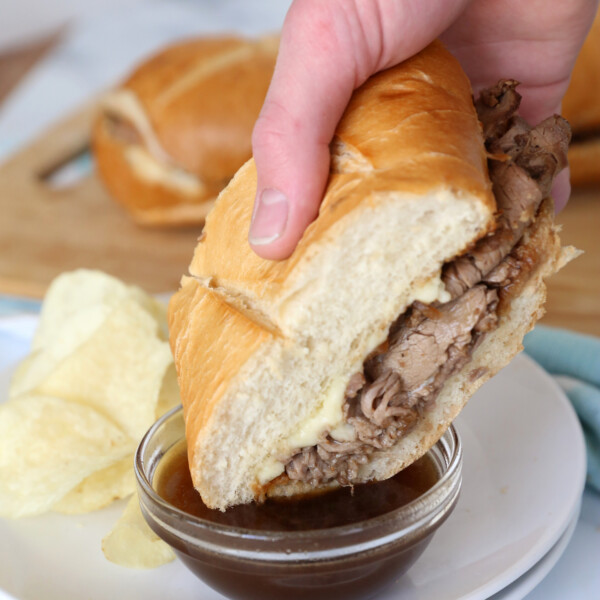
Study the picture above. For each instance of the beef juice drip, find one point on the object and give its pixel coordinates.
(333, 508)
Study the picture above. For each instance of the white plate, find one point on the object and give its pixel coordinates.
(524, 469)
(523, 477)
(519, 588)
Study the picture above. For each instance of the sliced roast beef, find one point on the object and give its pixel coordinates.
(402, 378)
(496, 106)
(523, 164)
(419, 348)
(426, 349)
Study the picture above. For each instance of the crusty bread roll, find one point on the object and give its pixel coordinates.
(581, 107)
(265, 350)
(584, 160)
(174, 133)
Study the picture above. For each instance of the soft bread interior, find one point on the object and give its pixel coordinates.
(362, 278)
(353, 251)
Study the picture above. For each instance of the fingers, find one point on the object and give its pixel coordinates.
(327, 50)
(291, 137)
(534, 43)
(561, 190)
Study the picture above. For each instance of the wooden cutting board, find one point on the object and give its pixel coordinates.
(45, 230)
(574, 292)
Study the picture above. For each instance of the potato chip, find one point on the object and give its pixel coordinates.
(76, 305)
(80, 291)
(44, 360)
(116, 481)
(99, 375)
(169, 396)
(48, 446)
(118, 371)
(131, 543)
(100, 489)
(158, 310)
(19, 382)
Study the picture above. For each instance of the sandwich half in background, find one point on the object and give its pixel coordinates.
(415, 284)
(581, 107)
(170, 138)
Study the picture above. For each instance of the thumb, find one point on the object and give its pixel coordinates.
(327, 50)
(291, 137)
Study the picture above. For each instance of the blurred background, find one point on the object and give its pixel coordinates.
(57, 60)
(57, 57)
(61, 52)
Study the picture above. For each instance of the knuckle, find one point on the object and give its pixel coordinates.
(274, 126)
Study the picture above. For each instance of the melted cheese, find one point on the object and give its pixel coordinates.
(344, 432)
(430, 291)
(328, 416)
(270, 469)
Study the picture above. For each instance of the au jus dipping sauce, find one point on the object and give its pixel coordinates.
(342, 506)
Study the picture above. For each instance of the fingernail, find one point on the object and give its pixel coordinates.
(269, 218)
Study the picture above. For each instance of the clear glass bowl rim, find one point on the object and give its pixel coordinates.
(420, 513)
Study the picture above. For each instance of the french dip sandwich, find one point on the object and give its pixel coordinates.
(172, 136)
(415, 284)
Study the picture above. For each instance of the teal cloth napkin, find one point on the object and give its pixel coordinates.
(13, 305)
(574, 360)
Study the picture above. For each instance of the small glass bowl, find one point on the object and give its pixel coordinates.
(347, 562)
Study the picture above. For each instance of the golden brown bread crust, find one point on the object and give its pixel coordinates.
(201, 99)
(584, 160)
(149, 203)
(426, 103)
(209, 361)
(409, 138)
(581, 107)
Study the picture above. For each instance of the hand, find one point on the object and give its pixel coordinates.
(330, 48)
